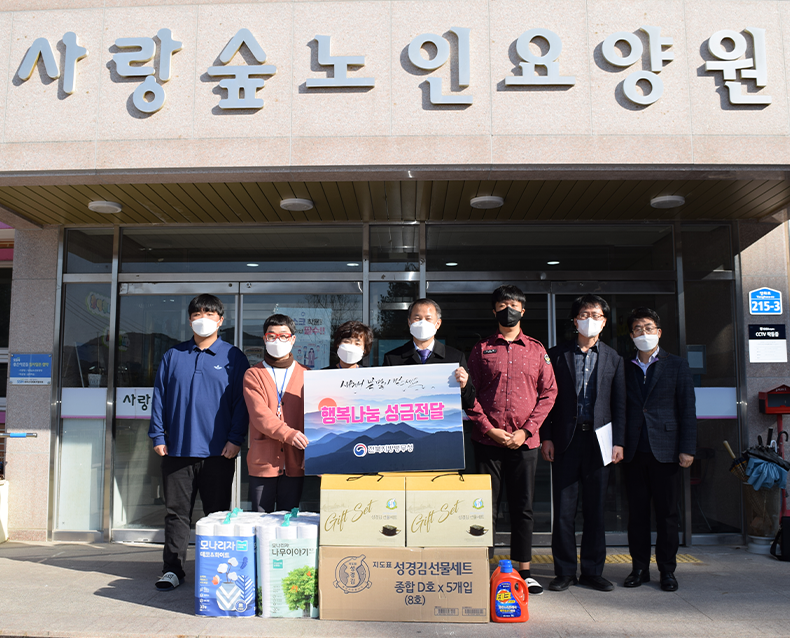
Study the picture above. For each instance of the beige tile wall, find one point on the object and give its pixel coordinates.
(393, 123)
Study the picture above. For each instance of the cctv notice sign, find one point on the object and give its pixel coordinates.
(767, 343)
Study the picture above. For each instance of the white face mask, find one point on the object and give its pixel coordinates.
(422, 330)
(589, 327)
(279, 349)
(646, 343)
(349, 353)
(204, 327)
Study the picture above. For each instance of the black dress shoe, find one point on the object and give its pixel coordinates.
(561, 583)
(668, 581)
(637, 577)
(596, 582)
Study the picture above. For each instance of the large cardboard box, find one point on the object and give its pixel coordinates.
(363, 510)
(404, 584)
(448, 510)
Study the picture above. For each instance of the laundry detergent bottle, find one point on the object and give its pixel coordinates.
(509, 595)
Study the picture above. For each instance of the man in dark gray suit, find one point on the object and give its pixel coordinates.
(660, 438)
(591, 395)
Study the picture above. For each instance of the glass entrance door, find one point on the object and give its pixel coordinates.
(152, 319)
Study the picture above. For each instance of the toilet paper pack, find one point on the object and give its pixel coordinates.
(225, 564)
(286, 566)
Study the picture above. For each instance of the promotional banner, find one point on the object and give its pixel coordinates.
(396, 418)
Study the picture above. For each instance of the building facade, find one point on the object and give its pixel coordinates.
(337, 160)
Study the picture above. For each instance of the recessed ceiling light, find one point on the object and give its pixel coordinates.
(668, 201)
(486, 201)
(105, 208)
(252, 265)
(295, 204)
(451, 263)
(553, 263)
(352, 264)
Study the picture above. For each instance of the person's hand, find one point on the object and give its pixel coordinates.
(499, 436)
(462, 376)
(300, 441)
(230, 451)
(617, 453)
(516, 440)
(547, 450)
(161, 450)
(686, 460)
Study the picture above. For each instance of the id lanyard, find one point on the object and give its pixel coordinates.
(280, 391)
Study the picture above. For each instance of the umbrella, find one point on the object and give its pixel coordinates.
(765, 474)
(738, 466)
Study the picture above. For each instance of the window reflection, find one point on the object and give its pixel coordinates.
(532, 247)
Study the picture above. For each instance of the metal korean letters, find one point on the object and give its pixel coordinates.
(740, 56)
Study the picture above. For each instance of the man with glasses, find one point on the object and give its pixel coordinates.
(590, 396)
(660, 438)
(274, 392)
(198, 425)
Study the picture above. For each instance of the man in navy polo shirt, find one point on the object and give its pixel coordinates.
(198, 424)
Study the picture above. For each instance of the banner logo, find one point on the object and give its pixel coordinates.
(360, 450)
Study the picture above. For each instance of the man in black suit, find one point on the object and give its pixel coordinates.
(660, 438)
(424, 318)
(591, 395)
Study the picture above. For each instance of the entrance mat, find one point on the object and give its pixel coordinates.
(610, 559)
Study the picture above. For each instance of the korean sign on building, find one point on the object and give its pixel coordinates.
(335, 83)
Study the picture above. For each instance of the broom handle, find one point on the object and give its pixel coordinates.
(729, 450)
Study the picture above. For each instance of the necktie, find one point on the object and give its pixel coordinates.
(424, 354)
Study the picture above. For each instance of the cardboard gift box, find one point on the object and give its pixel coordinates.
(363, 510)
(448, 510)
(404, 584)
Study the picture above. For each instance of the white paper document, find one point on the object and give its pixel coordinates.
(604, 435)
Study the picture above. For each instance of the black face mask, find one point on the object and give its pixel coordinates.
(508, 317)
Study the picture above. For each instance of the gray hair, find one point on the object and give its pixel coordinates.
(426, 302)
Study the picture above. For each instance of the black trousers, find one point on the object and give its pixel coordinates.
(183, 478)
(648, 480)
(580, 464)
(517, 469)
(275, 493)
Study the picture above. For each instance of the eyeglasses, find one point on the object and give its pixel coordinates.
(644, 330)
(588, 315)
(271, 337)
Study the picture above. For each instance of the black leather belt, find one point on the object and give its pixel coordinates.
(585, 427)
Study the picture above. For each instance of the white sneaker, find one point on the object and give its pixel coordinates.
(533, 587)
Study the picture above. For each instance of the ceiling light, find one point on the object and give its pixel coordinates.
(295, 204)
(486, 201)
(668, 201)
(352, 264)
(252, 265)
(105, 208)
(553, 263)
(451, 263)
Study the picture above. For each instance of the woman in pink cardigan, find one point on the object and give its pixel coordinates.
(274, 393)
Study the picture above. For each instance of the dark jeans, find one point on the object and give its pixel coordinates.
(183, 477)
(580, 463)
(646, 480)
(517, 469)
(280, 492)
